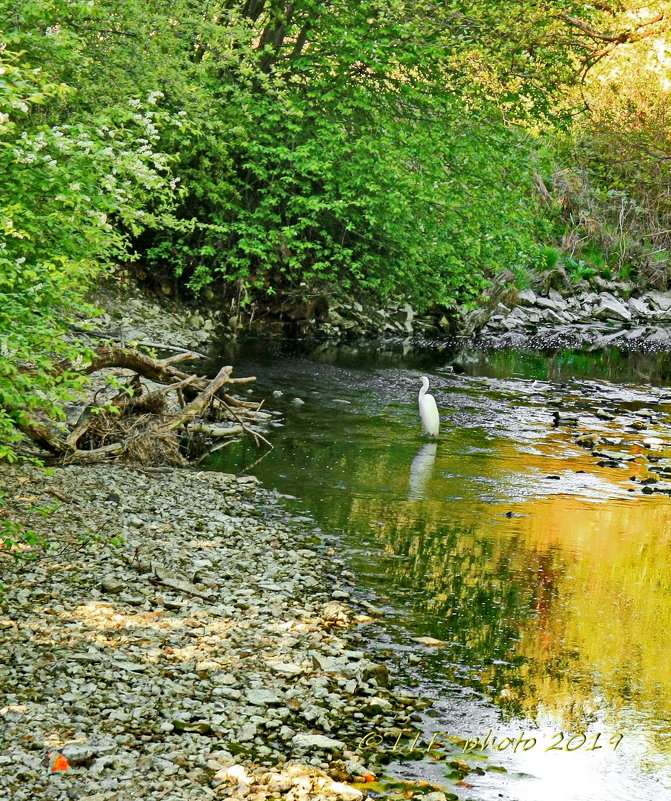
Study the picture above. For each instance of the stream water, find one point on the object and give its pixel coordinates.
(544, 571)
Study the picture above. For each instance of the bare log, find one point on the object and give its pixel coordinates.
(159, 370)
(199, 403)
(231, 401)
(45, 436)
(215, 431)
(83, 424)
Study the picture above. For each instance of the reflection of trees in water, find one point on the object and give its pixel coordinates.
(565, 364)
(554, 364)
(520, 632)
(528, 635)
(484, 596)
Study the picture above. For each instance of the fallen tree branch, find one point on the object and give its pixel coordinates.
(159, 370)
(199, 403)
(143, 428)
(215, 431)
(251, 431)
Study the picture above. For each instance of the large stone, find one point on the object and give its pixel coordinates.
(432, 642)
(345, 792)
(604, 285)
(553, 295)
(262, 697)
(527, 298)
(659, 336)
(616, 456)
(316, 742)
(237, 773)
(79, 753)
(588, 440)
(377, 671)
(286, 668)
(519, 313)
(551, 316)
(658, 300)
(548, 303)
(111, 584)
(639, 309)
(610, 308)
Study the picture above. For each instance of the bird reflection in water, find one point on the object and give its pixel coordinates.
(421, 470)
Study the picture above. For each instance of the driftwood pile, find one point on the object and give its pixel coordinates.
(165, 426)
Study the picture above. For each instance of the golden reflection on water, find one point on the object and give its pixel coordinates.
(573, 596)
(548, 575)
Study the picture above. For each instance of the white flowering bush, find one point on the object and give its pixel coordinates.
(71, 197)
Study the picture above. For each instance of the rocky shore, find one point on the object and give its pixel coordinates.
(591, 320)
(607, 313)
(180, 638)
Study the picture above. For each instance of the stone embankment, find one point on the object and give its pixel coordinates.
(611, 313)
(588, 320)
(180, 639)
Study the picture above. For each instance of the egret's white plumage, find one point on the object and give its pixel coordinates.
(428, 410)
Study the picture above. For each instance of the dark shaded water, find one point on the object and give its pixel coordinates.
(547, 575)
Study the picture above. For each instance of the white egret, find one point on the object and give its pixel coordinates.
(428, 410)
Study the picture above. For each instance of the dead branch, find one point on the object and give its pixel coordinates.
(159, 370)
(231, 401)
(612, 40)
(199, 403)
(145, 428)
(629, 35)
(251, 431)
(215, 431)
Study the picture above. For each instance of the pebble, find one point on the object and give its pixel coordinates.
(111, 584)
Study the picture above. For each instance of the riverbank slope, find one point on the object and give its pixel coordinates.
(181, 639)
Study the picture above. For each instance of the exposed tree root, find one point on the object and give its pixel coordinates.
(149, 428)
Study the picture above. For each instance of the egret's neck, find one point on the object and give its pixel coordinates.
(425, 386)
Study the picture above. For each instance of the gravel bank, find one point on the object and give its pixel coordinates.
(181, 639)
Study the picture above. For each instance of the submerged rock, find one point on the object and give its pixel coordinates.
(431, 642)
(614, 456)
(587, 440)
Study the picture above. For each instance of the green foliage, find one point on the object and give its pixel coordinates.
(72, 195)
(613, 182)
(578, 269)
(548, 257)
(379, 204)
(369, 158)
